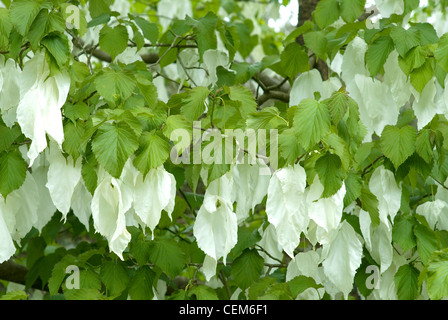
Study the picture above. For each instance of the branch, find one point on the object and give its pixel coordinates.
(278, 95)
(370, 12)
(13, 272)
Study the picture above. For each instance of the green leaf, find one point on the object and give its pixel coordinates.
(89, 172)
(168, 256)
(141, 285)
(89, 279)
(337, 105)
(83, 294)
(423, 145)
(441, 53)
(300, 284)
(140, 251)
(99, 7)
(12, 172)
(114, 40)
(428, 34)
(115, 277)
(203, 292)
(317, 42)
(326, 12)
(352, 9)
(353, 185)
(246, 238)
(175, 122)
(58, 273)
(377, 54)
(205, 32)
(114, 85)
(398, 144)
(154, 150)
(8, 136)
(369, 203)
(340, 148)
(289, 149)
(406, 282)
(404, 39)
(149, 29)
(245, 96)
(267, 118)
(5, 27)
(312, 122)
(15, 295)
(74, 139)
(247, 268)
(415, 58)
(113, 145)
(193, 106)
(58, 47)
(23, 13)
(421, 75)
(331, 174)
(426, 242)
(403, 233)
(294, 59)
(437, 275)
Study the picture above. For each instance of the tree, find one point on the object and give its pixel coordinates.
(189, 150)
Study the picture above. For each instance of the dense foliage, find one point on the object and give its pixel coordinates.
(193, 149)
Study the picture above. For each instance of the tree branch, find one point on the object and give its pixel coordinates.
(278, 95)
(13, 272)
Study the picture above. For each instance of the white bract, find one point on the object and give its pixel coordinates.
(109, 215)
(152, 194)
(382, 184)
(42, 97)
(252, 188)
(325, 212)
(216, 225)
(286, 206)
(310, 82)
(343, 257)
(63, 176)
(10, 74)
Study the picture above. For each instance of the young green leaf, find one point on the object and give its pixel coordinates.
(113, 145)
(398, 144)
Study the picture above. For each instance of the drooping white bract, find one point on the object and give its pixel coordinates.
(270, 244)
(9, 90)
(216, 226)
(428, 103)
(353, 60)
(396, 80)
(376, 104)
(109, 215)
(343, 257)
(306, 264)
(286, 206)
(63, 176)
(7, 248)
(46, 207)
(209, 267)
(436, 211)
(382, 184)
(42, 97)
(20, 208)
(325, 212)
(309, 82)
(152, 194)
(390, 7)
(81, 204)
(252, 188)
(378, 240)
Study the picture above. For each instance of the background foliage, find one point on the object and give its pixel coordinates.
(356, 91)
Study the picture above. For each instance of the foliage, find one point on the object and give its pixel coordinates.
(187, 150)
